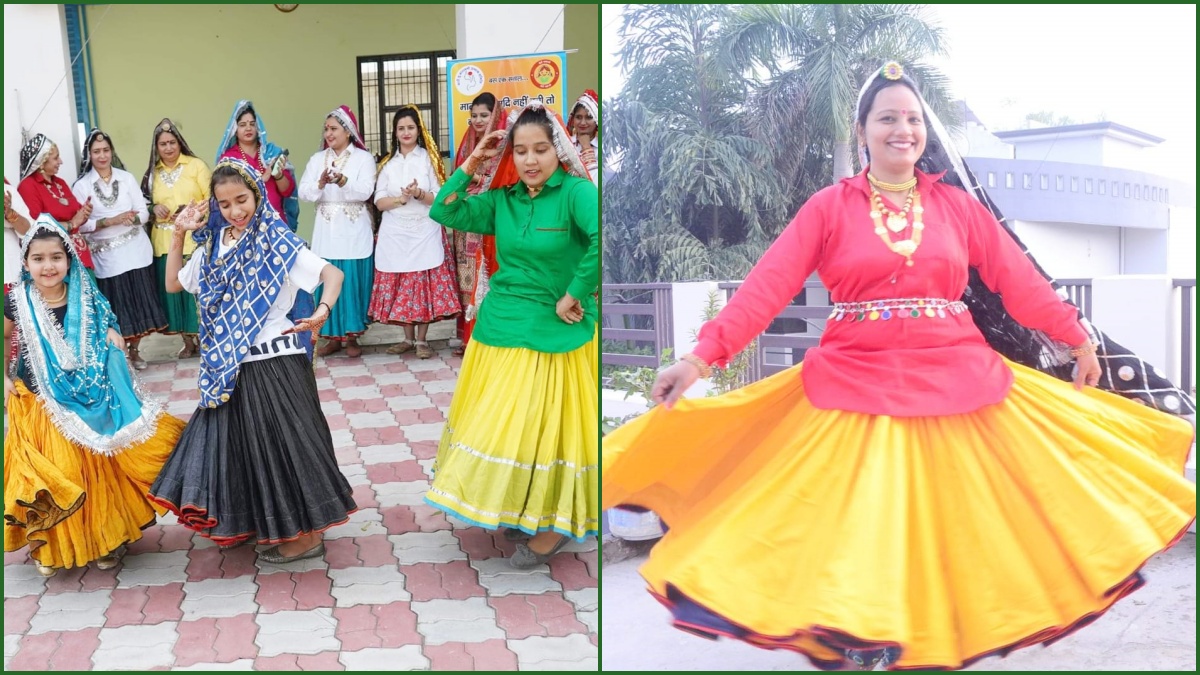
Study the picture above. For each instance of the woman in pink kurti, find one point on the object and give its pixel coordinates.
(906, 496)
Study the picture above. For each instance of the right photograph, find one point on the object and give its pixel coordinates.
(898, 338)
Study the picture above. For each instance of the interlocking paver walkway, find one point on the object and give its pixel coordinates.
(401, 587)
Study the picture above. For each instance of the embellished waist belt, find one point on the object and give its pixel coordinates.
(349, 209)
(897, 308)
(104, 245)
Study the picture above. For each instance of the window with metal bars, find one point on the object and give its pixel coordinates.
(387, 82)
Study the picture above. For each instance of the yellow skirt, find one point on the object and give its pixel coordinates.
(951, 538)
(69, 504)
(520, 445)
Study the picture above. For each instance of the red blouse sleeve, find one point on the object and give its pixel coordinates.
(32, 196)
(777, 278)
(1006, 269)
(291, 185)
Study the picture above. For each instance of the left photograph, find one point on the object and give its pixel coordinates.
(301, 349)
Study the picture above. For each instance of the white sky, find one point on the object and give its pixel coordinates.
(1135, 64)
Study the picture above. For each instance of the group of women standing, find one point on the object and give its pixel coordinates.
(89, 459)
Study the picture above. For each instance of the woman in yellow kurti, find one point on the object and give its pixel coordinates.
(175, 178)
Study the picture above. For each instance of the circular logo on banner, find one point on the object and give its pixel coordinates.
(544, 74)
(469, 81)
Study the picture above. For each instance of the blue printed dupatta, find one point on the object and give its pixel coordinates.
(83, 381)
(304, 306)
(238, 289)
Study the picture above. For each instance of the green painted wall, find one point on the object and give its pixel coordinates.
(193, 62)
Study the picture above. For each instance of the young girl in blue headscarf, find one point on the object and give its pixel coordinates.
(83, 445)
(246, 139)
(256, 461)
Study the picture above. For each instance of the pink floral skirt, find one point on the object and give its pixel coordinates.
(416, 297)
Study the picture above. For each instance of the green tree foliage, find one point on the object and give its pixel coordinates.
(732, 117)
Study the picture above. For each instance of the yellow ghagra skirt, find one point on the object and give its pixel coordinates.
(520, 447)
(951, 538)
(68, 504)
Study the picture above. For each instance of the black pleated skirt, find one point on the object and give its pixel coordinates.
(262, 464)
(134, 298)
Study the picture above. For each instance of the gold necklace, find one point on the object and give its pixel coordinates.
(534, 191)
(892, 187)
(896, 222)
(57, 300)
(904, 247)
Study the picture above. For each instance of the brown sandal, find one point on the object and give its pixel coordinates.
(424, 351)
(353, 350)
(330, 347)
(400, 348)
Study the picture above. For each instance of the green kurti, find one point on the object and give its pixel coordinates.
(545, 247)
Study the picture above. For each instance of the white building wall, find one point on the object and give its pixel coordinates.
(1181, 246)
(501, 30)
(1077, 150)
(1123, 155)
(1071, 250)
(38, 90)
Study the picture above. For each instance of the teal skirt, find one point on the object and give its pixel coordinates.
(182, 315)
(349, 316)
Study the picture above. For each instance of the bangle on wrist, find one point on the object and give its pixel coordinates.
(328, 309)
(705, 369)
(1086, 349)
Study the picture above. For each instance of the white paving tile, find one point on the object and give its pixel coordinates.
(410, 493)
(11, 644)
(23, 579)
(470, 620)
(555, 653)
(385, 454)
(408, 657)
(371, 420)
(585, 600)
(384, 379)
(501, 578)
(423, 432)
(70, 611)
(289, 632)
(362, 523)
(408, 403)
(219, 598)
(428, 547)
(136, 647)
(241, 664)
(358, 393)
(439, 386)
(152, 569)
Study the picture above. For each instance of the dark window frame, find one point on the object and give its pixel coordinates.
(437, 94)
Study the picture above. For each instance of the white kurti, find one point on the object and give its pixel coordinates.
(120, 248)
(409, 240)
(305, 274)
(342, 230)
(12, 242)
(593, 169)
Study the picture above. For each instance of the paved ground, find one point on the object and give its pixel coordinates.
(401, 587)
(1153, 629)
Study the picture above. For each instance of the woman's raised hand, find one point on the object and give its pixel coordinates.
(192, 217)
(489, 147)
(672, 382)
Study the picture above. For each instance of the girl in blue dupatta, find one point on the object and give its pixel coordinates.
(246, 139)
(256, 460)
(83, 445)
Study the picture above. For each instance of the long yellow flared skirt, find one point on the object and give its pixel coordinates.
(952, 538)
(69, 504)
(520, 447)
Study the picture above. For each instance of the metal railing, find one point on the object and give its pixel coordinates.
(621, 305)
(1079, 292)
(1187, 344)
(789, 347)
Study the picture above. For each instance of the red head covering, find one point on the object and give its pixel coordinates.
(591, 103)
(345, 116)
(568, 156)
